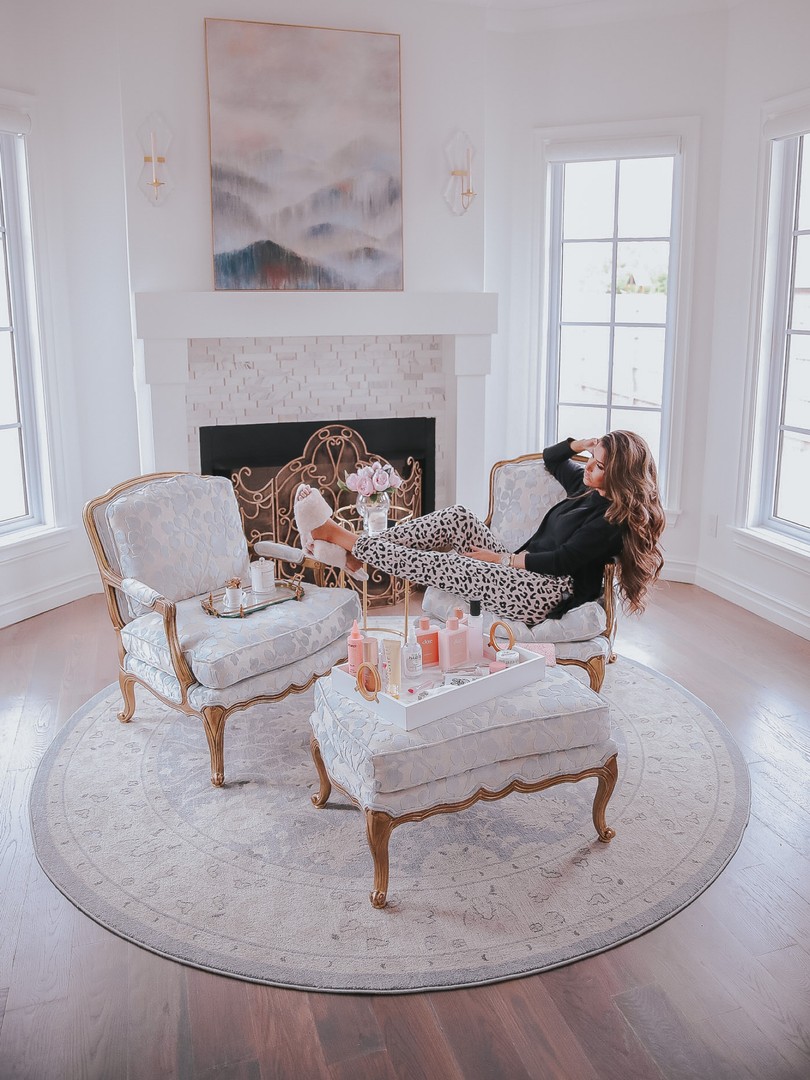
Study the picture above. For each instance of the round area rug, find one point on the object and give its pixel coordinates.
(250, 880)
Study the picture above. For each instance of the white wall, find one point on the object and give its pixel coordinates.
(580, 76)
(767, 58)
(170, 246)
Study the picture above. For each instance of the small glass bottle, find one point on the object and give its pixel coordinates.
(475, 632)
(411, 656)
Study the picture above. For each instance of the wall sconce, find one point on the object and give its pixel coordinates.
(459, 192)
(154, 137)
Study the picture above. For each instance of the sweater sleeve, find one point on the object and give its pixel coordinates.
(557, 460)
(595, 541)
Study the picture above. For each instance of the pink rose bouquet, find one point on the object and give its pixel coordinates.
(372, 480)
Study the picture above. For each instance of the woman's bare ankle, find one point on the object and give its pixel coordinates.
(335, 534)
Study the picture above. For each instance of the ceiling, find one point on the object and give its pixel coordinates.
(661, 7)
(525, 12)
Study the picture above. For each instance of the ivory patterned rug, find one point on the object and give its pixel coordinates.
(251, 880)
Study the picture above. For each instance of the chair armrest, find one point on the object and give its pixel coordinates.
(138, 590)
(150, 598)
(270, 550)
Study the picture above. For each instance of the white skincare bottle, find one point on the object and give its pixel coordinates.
(411, 656)
(475, 632)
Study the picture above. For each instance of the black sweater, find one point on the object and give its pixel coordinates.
(574, 537)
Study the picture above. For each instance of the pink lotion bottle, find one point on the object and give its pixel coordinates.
(427, 638)
(354, 647)
(452, 645)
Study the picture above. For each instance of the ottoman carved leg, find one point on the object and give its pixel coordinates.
(325, 789)
(378, 831)
(606, 782)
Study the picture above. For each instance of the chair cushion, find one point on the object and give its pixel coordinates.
(585, 650)
(223, 652)
(579, 624)
(559, 714)
(182, 536)
(271, 684)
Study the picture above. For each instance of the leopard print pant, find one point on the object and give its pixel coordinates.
(430, 551)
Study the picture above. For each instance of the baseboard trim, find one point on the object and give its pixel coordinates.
(780, 612)
(685, 572)
(51, 596)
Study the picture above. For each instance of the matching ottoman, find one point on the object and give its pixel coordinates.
(548, 733)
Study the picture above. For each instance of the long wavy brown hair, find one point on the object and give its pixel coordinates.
(631, 484)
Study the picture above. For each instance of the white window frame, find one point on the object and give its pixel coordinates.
(51, 397)
(679, 137)
(23, 312)
(783, 121)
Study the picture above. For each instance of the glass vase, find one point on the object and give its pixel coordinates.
(373, 510)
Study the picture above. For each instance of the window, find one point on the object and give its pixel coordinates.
(783, 503)
(20, 486)
(613, 247)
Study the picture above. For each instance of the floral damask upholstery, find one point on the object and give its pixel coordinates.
(163, 543)
(520, 497)
(521, 492)
(183, 536)
(222, 652)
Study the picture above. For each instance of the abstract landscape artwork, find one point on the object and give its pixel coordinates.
(306, 157)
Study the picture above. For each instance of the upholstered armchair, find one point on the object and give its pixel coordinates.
(163, 544)
(521, 492)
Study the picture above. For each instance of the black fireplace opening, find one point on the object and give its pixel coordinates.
(224, 449)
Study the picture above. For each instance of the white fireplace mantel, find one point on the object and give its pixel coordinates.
(312, 314)
(164, 323)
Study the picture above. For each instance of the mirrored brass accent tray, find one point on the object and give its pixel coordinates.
(214, 603)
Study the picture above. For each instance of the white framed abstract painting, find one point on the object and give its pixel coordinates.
(306, 157)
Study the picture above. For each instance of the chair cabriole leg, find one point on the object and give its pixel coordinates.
(596, 672)
(213, 717)
(127, 684)
(606, 782)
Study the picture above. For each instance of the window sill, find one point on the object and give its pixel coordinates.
(33, 541)
(781, 549)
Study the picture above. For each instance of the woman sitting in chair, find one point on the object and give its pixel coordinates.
(613, 510)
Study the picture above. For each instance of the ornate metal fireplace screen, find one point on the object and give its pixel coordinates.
(265, 496)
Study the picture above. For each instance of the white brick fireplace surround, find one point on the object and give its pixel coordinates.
(231, 357)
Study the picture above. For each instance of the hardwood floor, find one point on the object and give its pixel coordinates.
(720, 990)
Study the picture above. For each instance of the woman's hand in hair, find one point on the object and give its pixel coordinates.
(578, 445)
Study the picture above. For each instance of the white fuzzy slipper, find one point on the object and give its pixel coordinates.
(333, 555)
(272, 550)
(310, 510)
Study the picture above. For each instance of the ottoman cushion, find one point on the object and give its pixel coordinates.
(372, 758)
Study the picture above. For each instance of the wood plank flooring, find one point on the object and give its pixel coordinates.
(720, 990)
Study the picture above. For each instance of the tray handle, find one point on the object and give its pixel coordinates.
(368, 692)
(508, 629)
